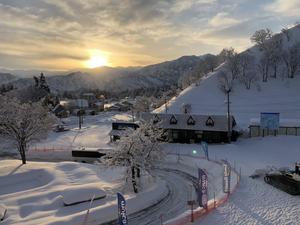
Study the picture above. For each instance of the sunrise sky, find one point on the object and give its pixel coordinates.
(68, 34)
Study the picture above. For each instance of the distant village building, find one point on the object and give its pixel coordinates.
(124, 106)
(119, 129)
(187, 128)
(286, 127)
(60, 111)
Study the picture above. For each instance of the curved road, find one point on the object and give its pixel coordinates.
(180, 186)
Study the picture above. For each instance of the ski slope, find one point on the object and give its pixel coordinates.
(277, 95)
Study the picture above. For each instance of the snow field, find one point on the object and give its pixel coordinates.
(41, 199)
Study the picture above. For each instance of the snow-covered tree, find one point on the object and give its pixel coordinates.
(232, 60)
(291, 59)
(186, 80)
(137, 150)
(286, 32)
(260, 37)
(23, 123)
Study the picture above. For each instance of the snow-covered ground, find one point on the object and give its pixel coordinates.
(254, 202)
(34, 193)
(94, 134)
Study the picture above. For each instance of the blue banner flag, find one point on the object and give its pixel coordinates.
(123, 220)
(205, 149)
(202, 188)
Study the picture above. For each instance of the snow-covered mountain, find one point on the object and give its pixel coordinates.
(120, 79)
(7, 78)
(279, 94)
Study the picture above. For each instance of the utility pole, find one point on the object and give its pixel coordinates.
(166, 105)
(79, 118)
(228, 116)
(132, 113)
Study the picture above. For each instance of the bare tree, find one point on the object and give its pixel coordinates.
(211, 62)
(291, 59)
(246, 63)
(271, 56)
(225, 81)
(263, 67)
(23, 123)
(248, 78)
(232, 60)
(137, 150)
(261, 36)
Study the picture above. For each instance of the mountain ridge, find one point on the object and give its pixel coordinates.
(119, 78)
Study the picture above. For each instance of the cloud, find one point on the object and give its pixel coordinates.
(288, 8)
(223, 20)
(57, 34)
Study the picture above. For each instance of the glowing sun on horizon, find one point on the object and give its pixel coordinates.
(97, 59)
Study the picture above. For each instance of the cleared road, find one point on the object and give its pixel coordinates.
(181, 188)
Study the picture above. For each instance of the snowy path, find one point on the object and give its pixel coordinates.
(179, 185)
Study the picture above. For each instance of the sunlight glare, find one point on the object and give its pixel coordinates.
(97, 59)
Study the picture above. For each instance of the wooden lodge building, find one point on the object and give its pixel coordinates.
(187, 128)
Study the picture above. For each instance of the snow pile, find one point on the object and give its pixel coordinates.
(82, 193)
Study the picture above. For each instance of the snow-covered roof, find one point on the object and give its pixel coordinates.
(120, 133)
(189, 121)
(282, 122)
(99, 103)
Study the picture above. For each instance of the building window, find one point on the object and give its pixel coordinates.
(173, 120)
(210, 122)
(156, 119)
(174, 134)
(191, 121)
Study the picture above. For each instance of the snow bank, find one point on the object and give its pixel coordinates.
(82, 193)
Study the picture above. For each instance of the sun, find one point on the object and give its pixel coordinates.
(97, 59)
